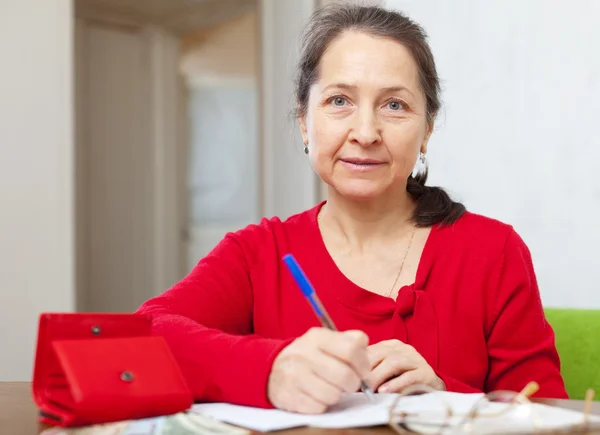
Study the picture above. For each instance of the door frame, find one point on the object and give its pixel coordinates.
(288, 183)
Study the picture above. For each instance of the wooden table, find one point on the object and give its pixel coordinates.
(18, 414)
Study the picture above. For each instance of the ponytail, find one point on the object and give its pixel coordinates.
(434, 205)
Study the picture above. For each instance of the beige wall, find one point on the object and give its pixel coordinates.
(36, 174)
(289, 182)
(117, 180)
(127, 202)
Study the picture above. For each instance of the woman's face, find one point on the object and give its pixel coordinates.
(365, 122)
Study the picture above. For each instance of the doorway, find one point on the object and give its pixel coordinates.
(220, 67)
(181, 136)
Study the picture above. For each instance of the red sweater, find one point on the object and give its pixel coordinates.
(474, 312)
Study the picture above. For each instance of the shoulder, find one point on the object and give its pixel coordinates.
(273, 232)
(483, 234)
(273, 225)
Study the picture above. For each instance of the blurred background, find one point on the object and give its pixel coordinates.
(135, 133)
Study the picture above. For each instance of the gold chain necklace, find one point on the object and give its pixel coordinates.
(412, 235)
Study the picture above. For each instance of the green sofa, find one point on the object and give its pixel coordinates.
(578, 343)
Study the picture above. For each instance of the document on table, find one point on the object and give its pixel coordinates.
(355, 410)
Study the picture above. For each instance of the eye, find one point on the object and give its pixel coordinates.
(338, 101)
(395, 105)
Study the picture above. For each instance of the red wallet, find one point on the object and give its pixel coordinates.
(100, 368)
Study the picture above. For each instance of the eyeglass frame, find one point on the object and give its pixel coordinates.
(522, 397)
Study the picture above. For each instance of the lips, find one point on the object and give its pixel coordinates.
(362, 162)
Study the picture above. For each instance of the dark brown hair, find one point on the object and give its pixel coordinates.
(434, 205)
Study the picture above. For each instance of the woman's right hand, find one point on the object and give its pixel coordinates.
(312, 372)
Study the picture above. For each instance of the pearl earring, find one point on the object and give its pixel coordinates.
(422, 166)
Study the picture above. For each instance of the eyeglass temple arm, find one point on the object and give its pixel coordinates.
(589, 397)
(529, 390)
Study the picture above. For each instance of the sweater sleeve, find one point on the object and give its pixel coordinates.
(207, 321)
(521, 343)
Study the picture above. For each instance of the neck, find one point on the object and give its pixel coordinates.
(365, 222)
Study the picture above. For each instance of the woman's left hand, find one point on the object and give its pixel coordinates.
(396, 365)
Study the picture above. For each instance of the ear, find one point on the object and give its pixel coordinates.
(427, 136)
(303, 131)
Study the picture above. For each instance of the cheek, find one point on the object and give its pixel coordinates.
(326, 136)
(404, 144)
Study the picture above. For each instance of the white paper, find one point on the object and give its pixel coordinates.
(355, 410)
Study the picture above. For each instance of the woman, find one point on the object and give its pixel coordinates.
(426, 292)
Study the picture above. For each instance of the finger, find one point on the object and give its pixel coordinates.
(320, 390)
(328, 347)
(305, 404)
(320, 335)
(332, 370)
(378, 352)
(361, 338)
(392, 366)
(351, 348)
(399, 383)
(306, 392)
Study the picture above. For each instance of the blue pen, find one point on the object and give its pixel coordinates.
(314, 301)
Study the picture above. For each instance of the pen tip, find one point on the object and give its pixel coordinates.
(368, 391)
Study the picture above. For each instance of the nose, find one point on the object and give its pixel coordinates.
(366, 130)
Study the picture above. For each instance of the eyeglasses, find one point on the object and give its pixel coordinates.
(493, 413)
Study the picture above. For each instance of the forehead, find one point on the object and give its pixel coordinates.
(360, 59)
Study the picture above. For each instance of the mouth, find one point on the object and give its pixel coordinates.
(362, 162)
(361, 166)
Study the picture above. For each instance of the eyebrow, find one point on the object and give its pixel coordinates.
(387, 89)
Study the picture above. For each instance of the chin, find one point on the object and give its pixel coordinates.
(359, 194)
